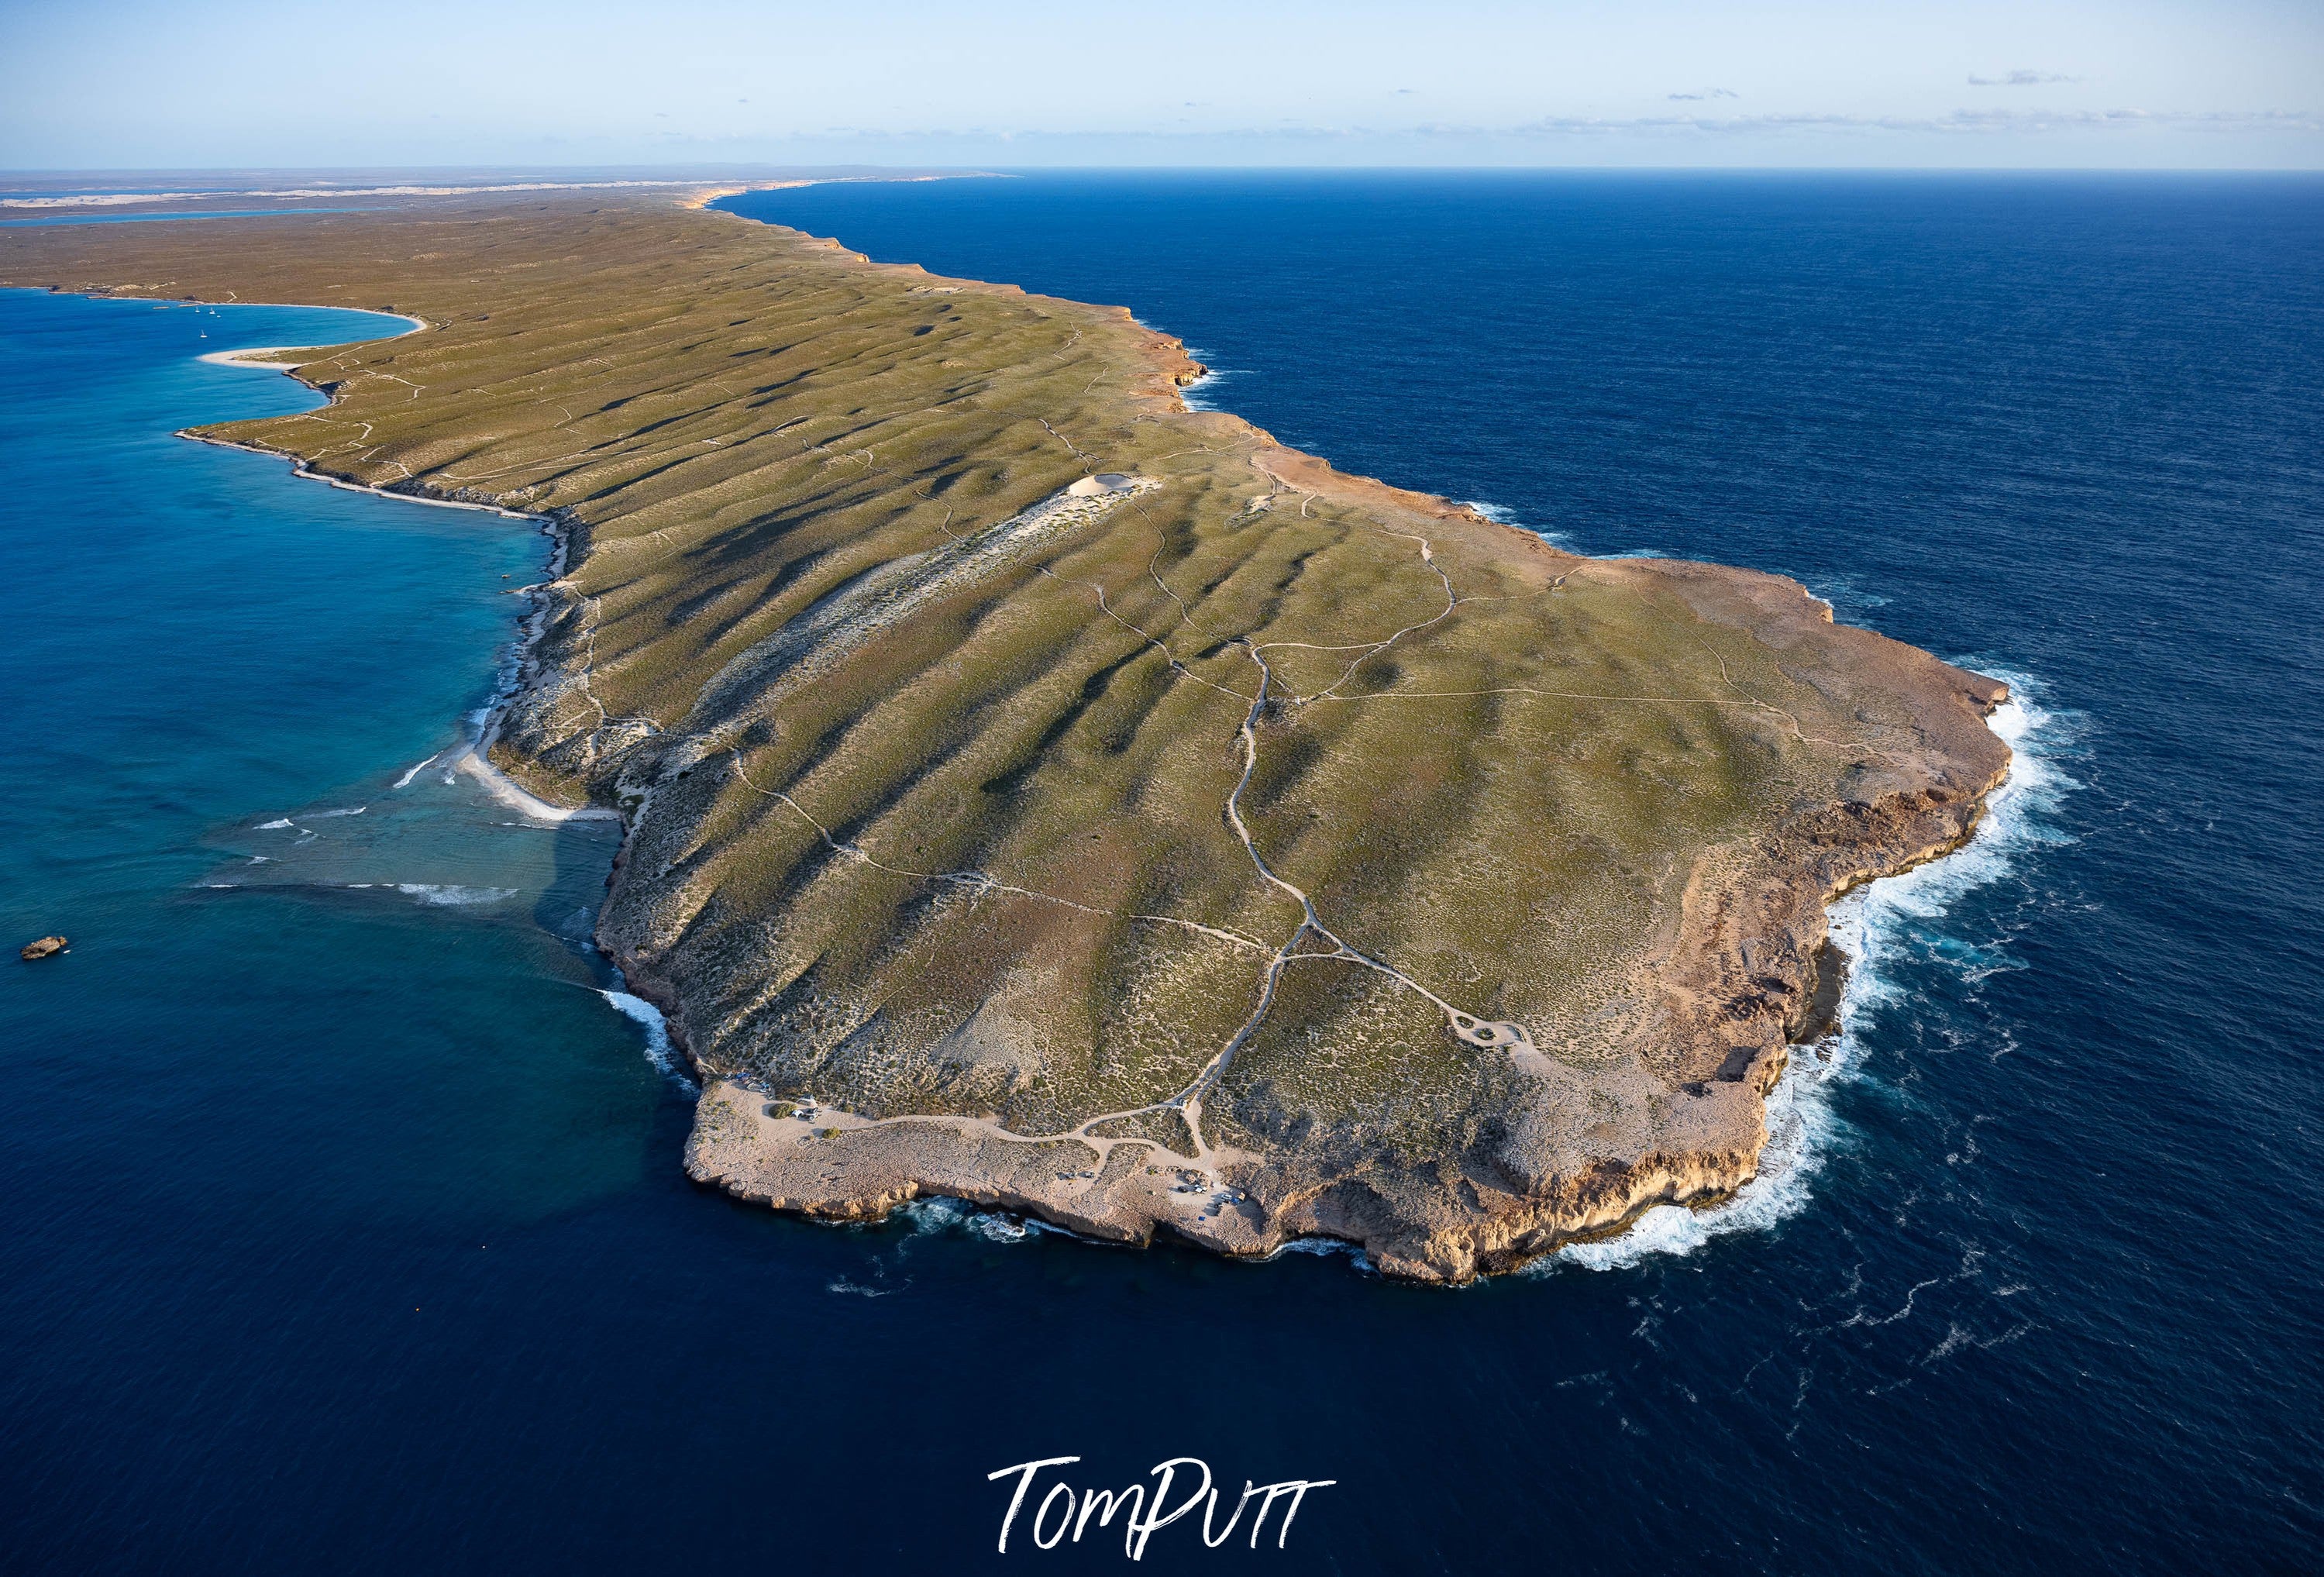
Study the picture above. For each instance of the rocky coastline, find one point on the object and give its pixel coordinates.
(991, 839)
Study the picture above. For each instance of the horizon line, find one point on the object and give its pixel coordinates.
(676, 172)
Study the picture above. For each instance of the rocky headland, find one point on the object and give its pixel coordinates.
(1042, 794)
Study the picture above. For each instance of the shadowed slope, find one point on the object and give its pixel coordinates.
(1253, 851)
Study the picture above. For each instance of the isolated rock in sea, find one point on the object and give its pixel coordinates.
(43, 948)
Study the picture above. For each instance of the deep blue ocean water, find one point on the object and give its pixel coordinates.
(342, 1225)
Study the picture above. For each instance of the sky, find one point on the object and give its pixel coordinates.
(122, 85)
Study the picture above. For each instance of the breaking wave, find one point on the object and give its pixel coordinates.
(1326, 1249)
(449, 894)
(926, 1216)
(1502, 515)
(1877, 926)
(1201, 394)
(658, 1052)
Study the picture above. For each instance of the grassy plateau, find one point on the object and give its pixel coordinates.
(1235, 849)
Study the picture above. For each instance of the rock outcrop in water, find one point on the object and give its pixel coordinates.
(1240, 851)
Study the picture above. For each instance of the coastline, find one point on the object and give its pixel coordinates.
(1735, 1193)
(1658, 1178)
(1801, 1123)
(474, 758)
(1797, 1122)
(128, 198)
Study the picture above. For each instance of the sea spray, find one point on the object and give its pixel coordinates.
(1325, 1248)
(658, 1052)
(1876, 927)
(1202, 393)
(1502, 515)
(449, 894)
(941, 1214)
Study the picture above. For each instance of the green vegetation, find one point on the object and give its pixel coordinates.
(929, 798)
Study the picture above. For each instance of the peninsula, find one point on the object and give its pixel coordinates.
(1039, 793)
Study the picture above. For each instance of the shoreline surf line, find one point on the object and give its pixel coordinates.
(301, 468)
(472, 758)
(1800, 1122)
(1789, 1153)
(1861, 923)
(240, 357)
(417, 323)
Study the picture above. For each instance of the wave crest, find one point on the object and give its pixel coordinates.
(1880, 927)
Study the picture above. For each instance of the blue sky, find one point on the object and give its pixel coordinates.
(1874, 83)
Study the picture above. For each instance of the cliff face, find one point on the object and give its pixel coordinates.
(1238, 850)
(1652, 1095)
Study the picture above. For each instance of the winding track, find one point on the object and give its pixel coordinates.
(1467, 1028)
(1187, 1101)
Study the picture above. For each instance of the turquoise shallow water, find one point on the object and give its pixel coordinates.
(208, 646)
(343, 1226)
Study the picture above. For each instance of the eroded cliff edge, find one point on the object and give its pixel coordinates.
(1237, 850)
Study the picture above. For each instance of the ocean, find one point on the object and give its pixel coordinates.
(344, 1225)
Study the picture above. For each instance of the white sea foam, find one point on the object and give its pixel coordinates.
(413, 771)
(1324, 1248)
(659, 1051)
(504, 788)
(951, 1215)
(1802, 1129)
(1199, 394)
(1842, 596)
(277, 824)
(1876, 927)
(844, 1286)
(1502, 515)
(453, 895)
